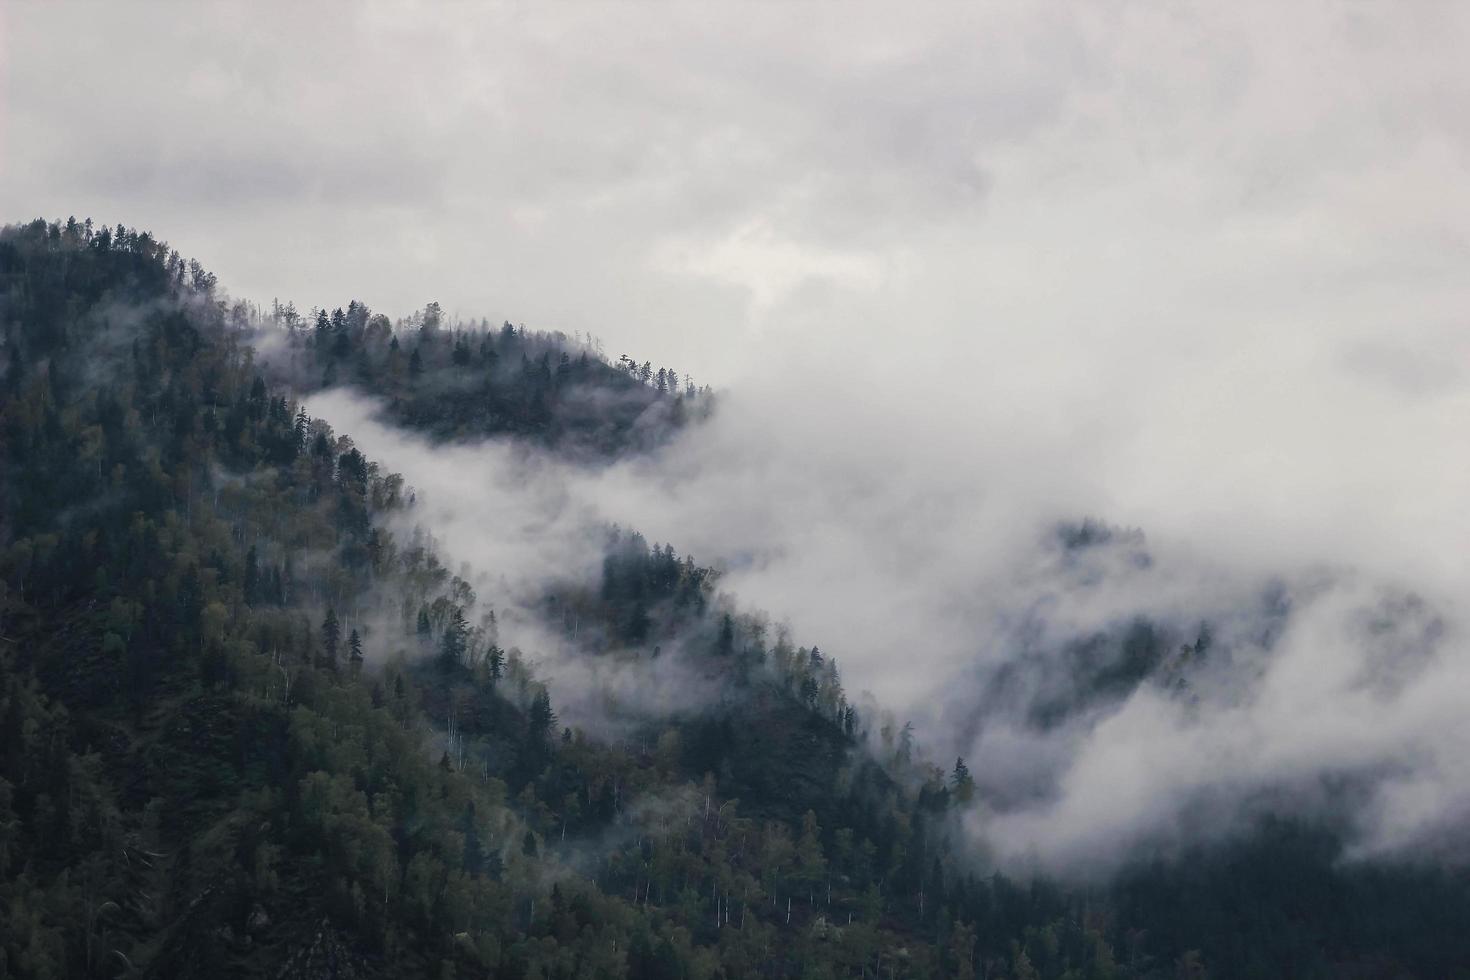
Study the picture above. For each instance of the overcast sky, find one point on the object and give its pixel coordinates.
(960, 270)
(681, 177)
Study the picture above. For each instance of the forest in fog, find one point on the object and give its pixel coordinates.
(337, 645)
(627, 490)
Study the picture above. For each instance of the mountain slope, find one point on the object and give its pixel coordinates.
(250, 726)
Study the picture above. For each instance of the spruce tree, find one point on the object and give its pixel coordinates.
(331, 636)
(964, 786)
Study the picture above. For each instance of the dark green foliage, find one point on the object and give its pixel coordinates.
(452, 643)
(331, 636)
(189, 786)
(467, 380)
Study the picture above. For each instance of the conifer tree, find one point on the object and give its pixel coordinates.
(542, 719)
(495, 663)
(354, 648)
(960, 781)
(331, 636)
(452, 643)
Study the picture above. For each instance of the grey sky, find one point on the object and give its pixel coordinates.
(961, 270)
(676, 177)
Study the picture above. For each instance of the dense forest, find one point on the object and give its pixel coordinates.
(249, 725)
(453, 380)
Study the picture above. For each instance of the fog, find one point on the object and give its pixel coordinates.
(958, 276)
(932, 570)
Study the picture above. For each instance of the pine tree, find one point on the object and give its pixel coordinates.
(542, 718)
(341, 344)
(964, 786)
(495, 662)
(331, 636)
(452, 644)
(302, 427)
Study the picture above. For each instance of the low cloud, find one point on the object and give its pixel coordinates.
(934, 570)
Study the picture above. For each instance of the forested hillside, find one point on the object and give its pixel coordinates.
(251, 726)
(452, 380)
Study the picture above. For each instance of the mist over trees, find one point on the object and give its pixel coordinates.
(251, 722)
(453, 380)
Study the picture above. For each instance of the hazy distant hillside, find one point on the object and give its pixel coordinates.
(252, 722)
